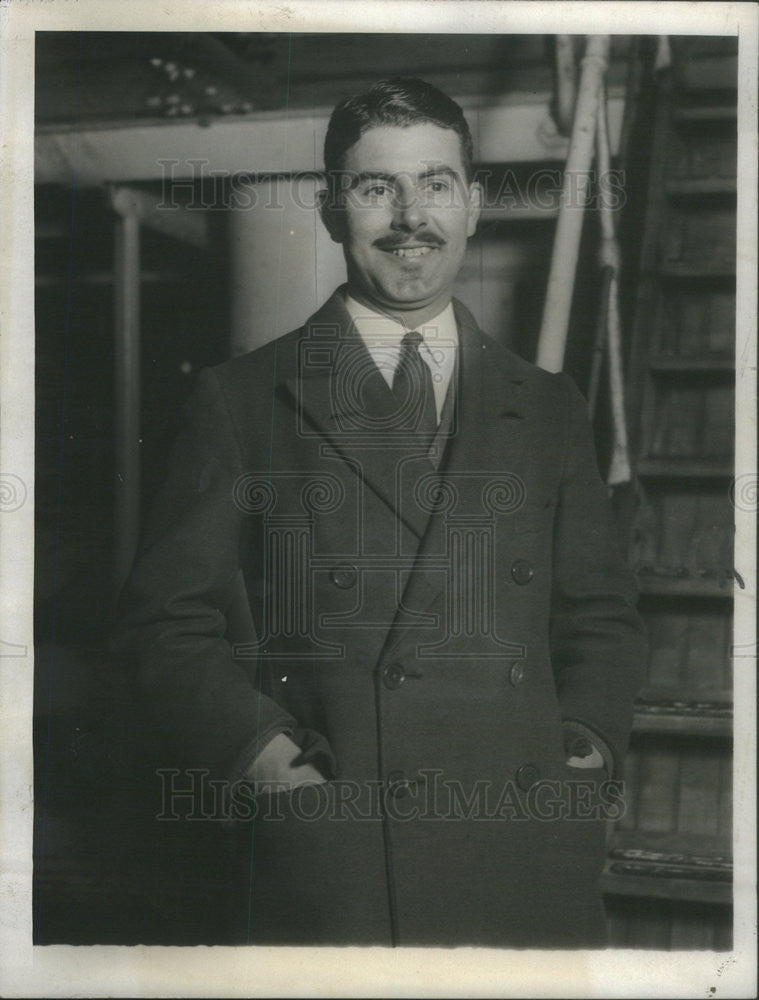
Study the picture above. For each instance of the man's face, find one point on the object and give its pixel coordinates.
(407, 212)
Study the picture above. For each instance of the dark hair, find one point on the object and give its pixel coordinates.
(401, 101)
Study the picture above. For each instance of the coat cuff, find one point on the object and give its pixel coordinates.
(314, 749)
(577, 736)
(251, 750)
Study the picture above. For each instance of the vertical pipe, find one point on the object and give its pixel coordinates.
(561, 278)
(566, 82)
(619, 471)
(127, 394)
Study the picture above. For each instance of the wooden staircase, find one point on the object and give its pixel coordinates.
(668, 872)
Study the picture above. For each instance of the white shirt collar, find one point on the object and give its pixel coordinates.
(374, 326)
(383, 335)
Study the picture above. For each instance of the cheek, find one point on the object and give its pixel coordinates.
(457, 244)
(364, 228)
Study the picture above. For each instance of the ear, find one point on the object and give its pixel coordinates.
(331, 214)
(475, 196)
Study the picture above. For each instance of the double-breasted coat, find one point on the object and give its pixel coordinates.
(425, 626)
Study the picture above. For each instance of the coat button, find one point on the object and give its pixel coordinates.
(521, 571)
(393, 676)
(516, 674)
(398, 785)
(343, 576)
(527, 776)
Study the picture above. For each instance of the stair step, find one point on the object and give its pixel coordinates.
(701, 186)
(706, 113)
(686, 468)
(680, 586)
(683, 719)
(708, 270)
(675, 865)
(683, 363)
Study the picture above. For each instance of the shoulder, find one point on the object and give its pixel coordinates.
(273, 364)
(557, 386)
(258, 368)
(239, 395)
(543, 394)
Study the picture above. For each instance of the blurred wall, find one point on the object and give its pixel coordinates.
(283, 264)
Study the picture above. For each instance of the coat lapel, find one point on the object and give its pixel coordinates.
(342, 400)
(492, 404)
(486, 448)
(341, 397)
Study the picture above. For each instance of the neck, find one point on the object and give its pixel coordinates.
(411, 318)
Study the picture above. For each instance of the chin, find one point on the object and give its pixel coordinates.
(411, 293)
(410, 302)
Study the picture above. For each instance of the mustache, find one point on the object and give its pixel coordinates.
(396, 242)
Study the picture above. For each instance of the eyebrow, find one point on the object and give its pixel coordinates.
(441, 171)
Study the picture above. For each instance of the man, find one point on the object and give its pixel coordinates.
(440, 649)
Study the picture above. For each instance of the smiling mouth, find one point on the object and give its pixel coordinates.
(411, 252)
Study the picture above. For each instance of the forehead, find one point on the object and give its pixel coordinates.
(411, 149)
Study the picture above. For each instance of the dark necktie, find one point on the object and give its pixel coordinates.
(412, 388)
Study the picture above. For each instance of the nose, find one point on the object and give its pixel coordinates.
(408, 212)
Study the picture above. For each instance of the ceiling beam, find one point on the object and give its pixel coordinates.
(267, 142)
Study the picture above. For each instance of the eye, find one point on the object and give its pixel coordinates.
(437, 185)
(377, 189)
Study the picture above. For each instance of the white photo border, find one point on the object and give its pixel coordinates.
(27, 970)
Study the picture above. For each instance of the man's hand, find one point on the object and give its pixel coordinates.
(594, 759)
(273, 770)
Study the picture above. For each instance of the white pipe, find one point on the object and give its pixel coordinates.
(561, 278)
(619, 469)
(566, 82)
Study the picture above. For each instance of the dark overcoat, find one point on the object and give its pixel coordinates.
(424, 629)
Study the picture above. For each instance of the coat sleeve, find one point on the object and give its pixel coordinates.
(172, 617)
(598, 648)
